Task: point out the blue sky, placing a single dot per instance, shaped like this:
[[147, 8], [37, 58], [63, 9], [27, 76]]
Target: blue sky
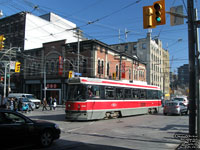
[[110, 16]]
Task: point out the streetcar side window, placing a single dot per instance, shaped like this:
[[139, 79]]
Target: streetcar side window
[[94, 92], [128, 94], [135, 93], [109, 92], [142, 94], [149, 94], [119, 93], [155, 94]]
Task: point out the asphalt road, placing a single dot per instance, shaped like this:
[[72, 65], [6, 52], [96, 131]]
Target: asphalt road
[[142, 132]]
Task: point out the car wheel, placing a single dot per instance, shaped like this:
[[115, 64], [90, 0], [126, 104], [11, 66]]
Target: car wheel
[[46, 138]]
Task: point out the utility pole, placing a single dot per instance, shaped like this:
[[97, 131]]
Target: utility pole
[[120, 65], [5, 74], [78, 51], [192, 83], [197, 76]]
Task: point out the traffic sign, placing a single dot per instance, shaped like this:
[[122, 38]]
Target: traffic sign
[[77, 74]]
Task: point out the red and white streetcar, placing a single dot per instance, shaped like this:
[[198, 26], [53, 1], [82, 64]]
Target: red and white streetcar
[[94, 98]]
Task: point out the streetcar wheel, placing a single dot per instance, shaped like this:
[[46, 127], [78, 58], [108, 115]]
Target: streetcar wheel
[[154, 111]]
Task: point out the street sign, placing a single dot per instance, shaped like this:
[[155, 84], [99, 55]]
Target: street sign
[[77, 74], [12, 65], [176, 15]]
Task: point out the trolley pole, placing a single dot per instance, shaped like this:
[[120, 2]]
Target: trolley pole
[[192, 83]]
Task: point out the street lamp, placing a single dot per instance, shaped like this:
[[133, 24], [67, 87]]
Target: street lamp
[[6, 63]]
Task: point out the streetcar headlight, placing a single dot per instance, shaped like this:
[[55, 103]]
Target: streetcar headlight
[[69, 105]]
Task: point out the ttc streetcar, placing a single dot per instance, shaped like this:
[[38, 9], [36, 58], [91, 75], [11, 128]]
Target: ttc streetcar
[[94, 98]]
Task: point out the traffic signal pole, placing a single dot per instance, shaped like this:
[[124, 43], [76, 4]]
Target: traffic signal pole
[[192, 83]]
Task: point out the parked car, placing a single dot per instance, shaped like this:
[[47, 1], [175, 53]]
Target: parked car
[[183, 99], [31, 97], [19, 131], [175, 107]]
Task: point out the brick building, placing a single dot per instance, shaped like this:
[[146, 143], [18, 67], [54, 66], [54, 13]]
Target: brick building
[[52, 63]]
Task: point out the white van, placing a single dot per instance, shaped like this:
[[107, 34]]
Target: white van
[[31, 97]]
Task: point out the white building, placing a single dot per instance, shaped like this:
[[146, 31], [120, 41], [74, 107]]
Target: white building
[[28, 31], [150, 51]]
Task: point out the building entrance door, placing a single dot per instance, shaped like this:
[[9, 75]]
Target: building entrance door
[[55, 93]]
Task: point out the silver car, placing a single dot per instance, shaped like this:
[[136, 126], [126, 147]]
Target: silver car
[[175, 107]]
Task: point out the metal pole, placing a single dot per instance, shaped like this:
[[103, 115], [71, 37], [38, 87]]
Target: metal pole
[[45, 79], [197, 76], [192, 83], [5, 73], [120, 65], [9, 72], [78, 51]]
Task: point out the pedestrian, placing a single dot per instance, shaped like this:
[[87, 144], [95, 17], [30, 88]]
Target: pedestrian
[[25, 107], [15, 104], [50, 102], [44, 103], [54, 103], [4, 102], [20, 104], [11, 106]]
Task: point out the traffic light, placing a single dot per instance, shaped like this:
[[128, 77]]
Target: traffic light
[[70, 74], [2, 79], [2, 38], [159, 12], [17, 66], [148, 13], [154, 15]]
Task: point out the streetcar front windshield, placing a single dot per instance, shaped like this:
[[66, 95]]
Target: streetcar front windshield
[[77, 92]]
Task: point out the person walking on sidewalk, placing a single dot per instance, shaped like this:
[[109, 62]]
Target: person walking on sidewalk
[[44, 103], [50, 102], [54, 103]]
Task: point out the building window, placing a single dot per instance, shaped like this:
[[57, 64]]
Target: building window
[[57, 67], [129, 73], [99, 67], [108, 68], [38, 70], [52, 66], [117, 70], [135, 47], [144, 45], [102, 66]]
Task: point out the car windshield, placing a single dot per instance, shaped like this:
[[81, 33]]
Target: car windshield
[[30, 96], [172, 104], [77, 92], [178, 99], [25, 100]]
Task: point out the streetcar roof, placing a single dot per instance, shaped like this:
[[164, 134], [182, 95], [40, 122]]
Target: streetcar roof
[[123, 83]]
